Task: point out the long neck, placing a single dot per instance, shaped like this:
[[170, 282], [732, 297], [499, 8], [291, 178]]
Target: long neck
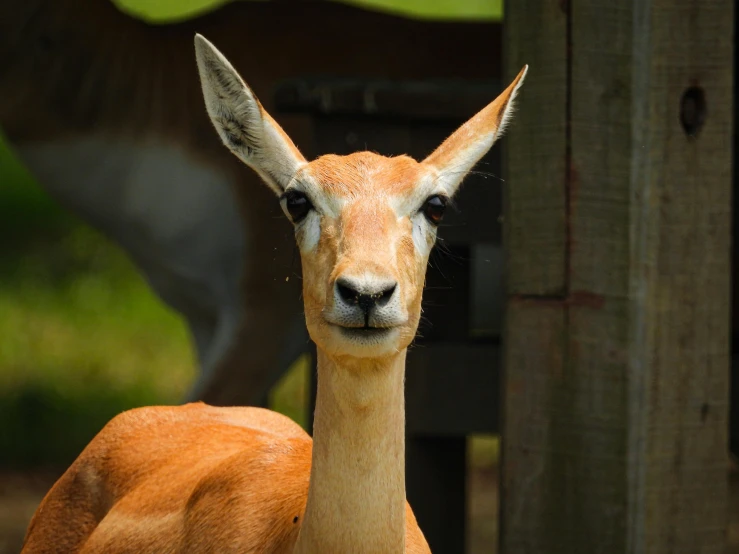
[[356, 498]]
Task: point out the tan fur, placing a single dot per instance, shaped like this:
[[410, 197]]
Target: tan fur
[[202, 479], [71, 69]]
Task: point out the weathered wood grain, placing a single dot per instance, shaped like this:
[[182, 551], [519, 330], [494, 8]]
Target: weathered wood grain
[[618, 441], [535, 34]]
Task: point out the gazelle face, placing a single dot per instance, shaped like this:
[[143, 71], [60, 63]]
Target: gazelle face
[[365, 224]]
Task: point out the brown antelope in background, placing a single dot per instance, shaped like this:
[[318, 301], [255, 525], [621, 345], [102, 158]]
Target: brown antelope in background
[[106, 112], [195, 478]]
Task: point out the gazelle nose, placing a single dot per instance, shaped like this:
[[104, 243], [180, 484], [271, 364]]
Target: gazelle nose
[[365, 295]]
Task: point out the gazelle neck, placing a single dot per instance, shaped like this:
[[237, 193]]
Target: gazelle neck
[[356, 498]]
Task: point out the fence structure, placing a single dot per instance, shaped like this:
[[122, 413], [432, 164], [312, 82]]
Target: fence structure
[[618, 242]]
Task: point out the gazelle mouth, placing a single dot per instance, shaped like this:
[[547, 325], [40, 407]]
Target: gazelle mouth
[[366, 329], [366, 335], [365, 332]]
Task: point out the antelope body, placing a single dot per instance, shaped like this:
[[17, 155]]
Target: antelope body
[[201, 479], [106, 111]]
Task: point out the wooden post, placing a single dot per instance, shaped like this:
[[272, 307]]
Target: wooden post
[[617, 229]]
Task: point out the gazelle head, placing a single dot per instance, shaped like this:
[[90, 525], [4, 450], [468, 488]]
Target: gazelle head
[[364, 223]]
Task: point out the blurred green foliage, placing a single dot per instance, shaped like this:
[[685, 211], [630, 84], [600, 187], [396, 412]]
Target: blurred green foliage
[[165, 11]]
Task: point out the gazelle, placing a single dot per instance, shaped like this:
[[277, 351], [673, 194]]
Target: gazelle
[[106, 112], [196, 478]]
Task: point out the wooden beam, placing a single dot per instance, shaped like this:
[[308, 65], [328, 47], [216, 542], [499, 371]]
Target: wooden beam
[[616, 390], [400, 101]]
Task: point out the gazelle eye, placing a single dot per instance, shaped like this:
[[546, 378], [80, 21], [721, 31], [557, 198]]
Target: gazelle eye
[[297, 205], [434, 208]]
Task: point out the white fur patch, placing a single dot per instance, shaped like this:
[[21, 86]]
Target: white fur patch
[[424, 234], [309, 232]]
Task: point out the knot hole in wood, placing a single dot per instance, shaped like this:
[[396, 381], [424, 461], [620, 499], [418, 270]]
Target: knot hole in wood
[[693, 110]]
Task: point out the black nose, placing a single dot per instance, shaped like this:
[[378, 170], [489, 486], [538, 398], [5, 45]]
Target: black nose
[[364, 297]]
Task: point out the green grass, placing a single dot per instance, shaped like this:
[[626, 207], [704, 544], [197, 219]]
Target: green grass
[[72, 302]]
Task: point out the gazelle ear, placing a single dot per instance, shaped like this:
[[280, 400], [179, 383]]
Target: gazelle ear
[[458, 154], [243, 125]]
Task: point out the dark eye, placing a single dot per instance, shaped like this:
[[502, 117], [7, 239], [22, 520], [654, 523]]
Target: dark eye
[[297, 205], [434, 208]]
